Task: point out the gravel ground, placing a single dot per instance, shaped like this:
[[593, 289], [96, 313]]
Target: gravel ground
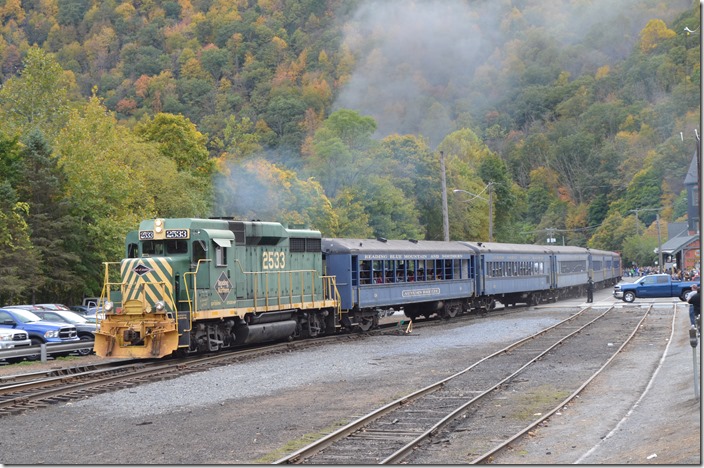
[[258, 411]]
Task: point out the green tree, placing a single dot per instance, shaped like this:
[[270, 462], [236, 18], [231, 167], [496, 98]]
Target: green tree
[[38, 98], [341, 149], [178, 139], [391, 214], [54, 231], [19, 261]]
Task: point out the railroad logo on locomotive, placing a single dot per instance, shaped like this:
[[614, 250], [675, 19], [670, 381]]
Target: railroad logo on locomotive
[[141, 269], [223, 286]]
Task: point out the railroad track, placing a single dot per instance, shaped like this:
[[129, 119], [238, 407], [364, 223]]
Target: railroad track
[[22, 392], [491, 403]]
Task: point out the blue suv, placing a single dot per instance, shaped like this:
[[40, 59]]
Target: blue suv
[[39, 331]]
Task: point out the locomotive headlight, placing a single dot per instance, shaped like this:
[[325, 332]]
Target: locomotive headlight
[[108, 306], [160, 306]]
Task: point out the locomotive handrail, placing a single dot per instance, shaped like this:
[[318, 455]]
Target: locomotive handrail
[[192, 304]]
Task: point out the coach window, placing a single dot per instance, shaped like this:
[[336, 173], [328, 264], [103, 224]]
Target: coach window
[[411, 270], [456, 269], [389, 271], [365, 272], [378, 272]]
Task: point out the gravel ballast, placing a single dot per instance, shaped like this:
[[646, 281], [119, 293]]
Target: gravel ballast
[[260, 410]]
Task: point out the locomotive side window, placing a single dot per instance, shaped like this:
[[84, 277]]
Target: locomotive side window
[[198, 251], [132, 251], [220, 256]]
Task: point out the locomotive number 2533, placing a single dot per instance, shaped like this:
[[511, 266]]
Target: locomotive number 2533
[[273, 260]]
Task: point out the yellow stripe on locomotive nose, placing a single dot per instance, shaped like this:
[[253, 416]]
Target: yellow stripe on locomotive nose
[[155, 279]]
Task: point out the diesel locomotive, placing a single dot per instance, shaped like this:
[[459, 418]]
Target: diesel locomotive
[[194, 285]]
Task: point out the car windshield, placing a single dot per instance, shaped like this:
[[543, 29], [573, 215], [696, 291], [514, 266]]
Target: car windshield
[[73, 317], [26, 316]]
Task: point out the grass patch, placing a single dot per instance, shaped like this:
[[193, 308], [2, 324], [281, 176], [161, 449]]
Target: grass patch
[[539, 400], [299, 443]]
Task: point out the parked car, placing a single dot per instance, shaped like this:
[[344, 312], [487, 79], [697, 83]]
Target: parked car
[[53, 306], [30, 307], [660, 285], [79, 309], [39, 331], [94, 314], [11, 338], [86, 328]]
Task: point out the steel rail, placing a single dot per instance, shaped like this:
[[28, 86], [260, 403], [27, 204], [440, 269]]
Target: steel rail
[[311, 449], [404, 451], [532, 425]]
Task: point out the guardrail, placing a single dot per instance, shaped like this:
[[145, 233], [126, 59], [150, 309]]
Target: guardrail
[[44, 350]]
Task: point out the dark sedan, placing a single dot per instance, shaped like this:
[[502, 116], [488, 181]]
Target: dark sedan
[[86, 329]]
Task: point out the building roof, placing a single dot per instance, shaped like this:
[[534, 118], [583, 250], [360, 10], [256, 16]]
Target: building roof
[[678, 243], [691, 177]]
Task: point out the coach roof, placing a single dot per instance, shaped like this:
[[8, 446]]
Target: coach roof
[[383, 246]]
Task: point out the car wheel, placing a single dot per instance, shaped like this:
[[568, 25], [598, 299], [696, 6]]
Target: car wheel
[[85, 351], [36, 357], [683, 296], [629, 296]]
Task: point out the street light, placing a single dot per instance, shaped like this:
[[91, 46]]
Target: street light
[[490, 201]]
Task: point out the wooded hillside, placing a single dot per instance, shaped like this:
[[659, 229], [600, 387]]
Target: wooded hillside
[[333, 114]]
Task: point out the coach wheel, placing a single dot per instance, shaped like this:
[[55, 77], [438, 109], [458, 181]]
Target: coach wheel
[[629, 296], [450, 312], [367, 323]]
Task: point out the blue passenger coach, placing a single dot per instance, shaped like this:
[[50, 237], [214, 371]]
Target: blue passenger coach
[[605, 267], [513, 273], [422, 277]]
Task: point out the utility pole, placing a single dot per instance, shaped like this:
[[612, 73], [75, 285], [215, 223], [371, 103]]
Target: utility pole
[[445, 217], [491, 211], [657, 219]]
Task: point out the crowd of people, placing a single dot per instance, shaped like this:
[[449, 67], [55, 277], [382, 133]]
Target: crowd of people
[[684, 275]]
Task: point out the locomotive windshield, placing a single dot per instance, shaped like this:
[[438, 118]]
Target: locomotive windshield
[[164, 247]]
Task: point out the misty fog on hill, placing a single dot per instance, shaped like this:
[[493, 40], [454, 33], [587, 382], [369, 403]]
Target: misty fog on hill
[[428, 67]]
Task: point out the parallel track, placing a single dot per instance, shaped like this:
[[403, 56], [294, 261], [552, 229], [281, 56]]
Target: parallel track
[[466, 400]]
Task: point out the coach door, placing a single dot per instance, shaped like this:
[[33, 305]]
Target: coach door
[[552, 274]]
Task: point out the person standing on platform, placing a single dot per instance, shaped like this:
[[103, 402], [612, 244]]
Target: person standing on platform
[[590, 290], [693, 299]]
